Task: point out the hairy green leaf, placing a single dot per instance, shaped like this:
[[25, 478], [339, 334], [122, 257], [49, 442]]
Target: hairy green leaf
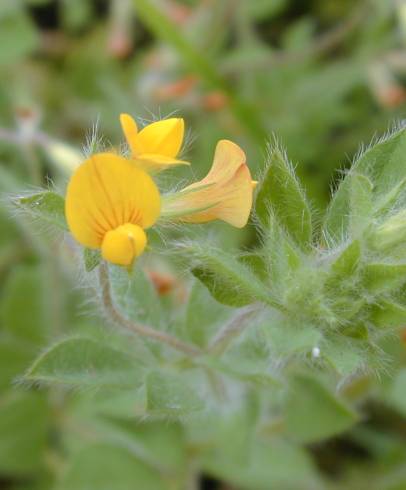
[[281, 194], [91, 258], [227, 279], [387, 314], [347, 262], [361, 204], [169, 395], [47, 206], [383, 277], [383, 165], [83, 362]]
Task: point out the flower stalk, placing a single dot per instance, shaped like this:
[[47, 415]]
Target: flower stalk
[[138, 328]]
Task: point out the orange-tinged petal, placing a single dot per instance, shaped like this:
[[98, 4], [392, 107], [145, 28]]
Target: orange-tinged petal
[[124, 244], [130, 130], [225, 193], [161, 138], [232, 202], [108, 191], [228, 158]]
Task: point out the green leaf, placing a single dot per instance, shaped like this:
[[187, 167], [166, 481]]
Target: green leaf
[[47, 206], [91, 259], [83, 362], [342, 354], [387, 314], [227, 279], [384, 162], [23, 433], [286, 338], [313, 413], [265, 465], [169, 395], [15, 357], [361, 204], [281, 193], [24, 307], [383, 165], [203, 315], [104, 466], [160, 445], [19, 34], [356, 331], [282, 257], [383, 277], [136, 296], [348, 260]]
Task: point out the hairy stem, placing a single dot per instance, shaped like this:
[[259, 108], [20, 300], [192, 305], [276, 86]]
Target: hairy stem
[[233, 328], [140, 329]]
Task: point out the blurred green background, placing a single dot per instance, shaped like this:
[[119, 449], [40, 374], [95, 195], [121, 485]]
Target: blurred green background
[[322, 76]]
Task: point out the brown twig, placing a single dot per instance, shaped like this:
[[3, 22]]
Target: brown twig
[[140, 329]]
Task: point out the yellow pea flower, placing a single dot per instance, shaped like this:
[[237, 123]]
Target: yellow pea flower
[[156, 146], [225, 193], [109, 204]]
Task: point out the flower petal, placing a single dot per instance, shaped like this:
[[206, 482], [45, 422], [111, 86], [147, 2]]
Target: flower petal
[[124, 244], [130, 130], [232, 201], [108, 191], [156, 163], [228, 158], [162, 138]]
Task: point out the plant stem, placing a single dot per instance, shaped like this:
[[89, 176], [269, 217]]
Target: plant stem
[[140, 329], [233, 328]]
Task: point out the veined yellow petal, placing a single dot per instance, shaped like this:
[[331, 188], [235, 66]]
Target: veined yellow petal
[[161, 138], [156, 163], [130, 130], [124, 244], [108, 191]]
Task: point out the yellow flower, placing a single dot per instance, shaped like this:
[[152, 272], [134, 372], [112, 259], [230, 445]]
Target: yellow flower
[[156, 146], [109, 204], [224, 194]]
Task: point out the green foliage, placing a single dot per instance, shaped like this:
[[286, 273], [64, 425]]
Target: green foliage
[[378, 170], [17, 32], [168, 395], [313, 413], [22, 442], [229, 280], [47, 206], [91, 259], [299, 382], [23, 306], [83, 362], [100, 464], [281, 193]]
